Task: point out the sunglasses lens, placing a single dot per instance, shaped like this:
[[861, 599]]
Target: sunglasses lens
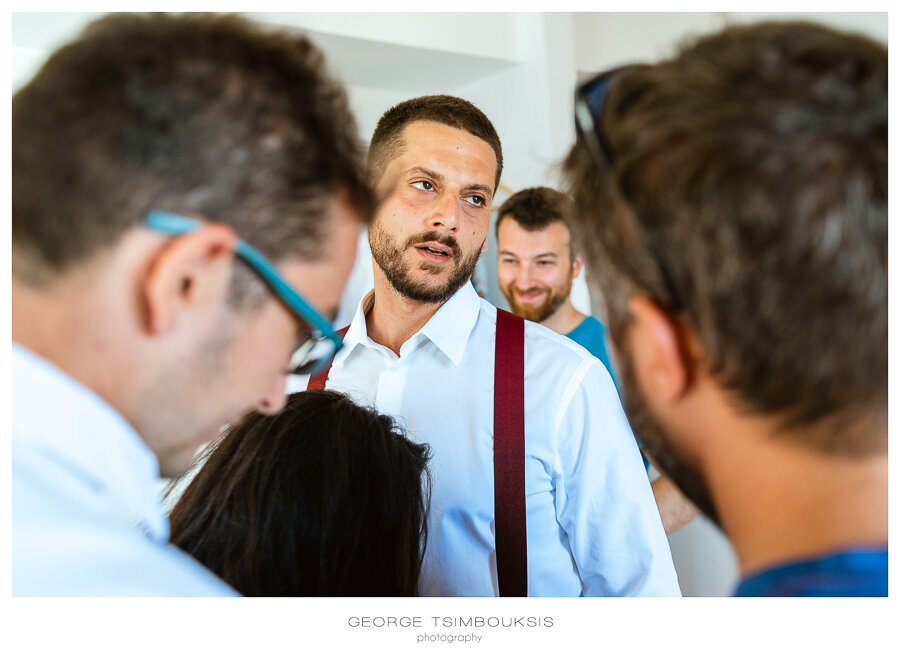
[[312, 356], [594, 94]]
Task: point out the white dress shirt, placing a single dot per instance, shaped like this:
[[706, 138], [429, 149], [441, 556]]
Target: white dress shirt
[[87, 517], [592, 524]]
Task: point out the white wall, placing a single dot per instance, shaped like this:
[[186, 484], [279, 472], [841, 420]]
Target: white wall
[[521, 69], [873, 24], [606, 40]]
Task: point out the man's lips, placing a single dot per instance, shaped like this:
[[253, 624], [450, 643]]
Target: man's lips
[[435, 251], [529, 295]]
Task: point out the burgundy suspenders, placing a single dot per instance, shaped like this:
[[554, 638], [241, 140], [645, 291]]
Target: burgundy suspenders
[[509, 452], [318, 381], [509, 455]]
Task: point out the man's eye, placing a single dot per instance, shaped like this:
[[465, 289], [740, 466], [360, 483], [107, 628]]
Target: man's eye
[[545, 263], [423, 185], [475, 200]]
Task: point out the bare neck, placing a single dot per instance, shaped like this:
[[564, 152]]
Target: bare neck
[[88, 323], [394, 318], [565, 319], [74, 329], [780, 502]]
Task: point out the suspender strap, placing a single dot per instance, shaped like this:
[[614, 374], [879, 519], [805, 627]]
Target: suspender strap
[[509, 455], [318, 381]]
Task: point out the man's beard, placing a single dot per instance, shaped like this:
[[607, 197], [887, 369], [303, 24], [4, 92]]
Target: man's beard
[[553, 299], [390, 259], [676, 464]]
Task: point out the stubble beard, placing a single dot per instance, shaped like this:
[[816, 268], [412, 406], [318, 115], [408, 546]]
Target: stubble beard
[[389, 259], [553, 299], [174, 404], [677, 464]]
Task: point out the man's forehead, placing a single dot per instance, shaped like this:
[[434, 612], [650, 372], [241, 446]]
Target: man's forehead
[[555, 233], [429, 138]]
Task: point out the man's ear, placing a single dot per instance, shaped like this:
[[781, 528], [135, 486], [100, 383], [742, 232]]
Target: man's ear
[[190, 272], [577, 264], [659, 351]]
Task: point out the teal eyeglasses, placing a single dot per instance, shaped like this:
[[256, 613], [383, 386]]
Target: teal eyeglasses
[[323, 343]]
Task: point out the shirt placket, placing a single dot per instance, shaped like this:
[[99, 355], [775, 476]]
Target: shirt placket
[[392, 381]]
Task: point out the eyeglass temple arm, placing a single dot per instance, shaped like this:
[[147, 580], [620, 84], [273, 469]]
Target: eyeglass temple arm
[[180, 225], [284, 291], [584, 120]]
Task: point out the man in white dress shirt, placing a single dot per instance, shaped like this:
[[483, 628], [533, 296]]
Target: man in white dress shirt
[[146, 154], [421, 347]]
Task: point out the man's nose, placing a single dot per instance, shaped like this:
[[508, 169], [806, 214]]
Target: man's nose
[[275, 399], [524, 277], [446, 213]]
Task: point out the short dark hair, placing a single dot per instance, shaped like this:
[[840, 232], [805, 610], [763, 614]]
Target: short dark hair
[[197, 114], [387, 141], [751, 172], [324, 499], [534, 209]]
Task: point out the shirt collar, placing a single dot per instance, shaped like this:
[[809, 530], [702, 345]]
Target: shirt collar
[[449, 328], [356, 332], [59, 415], [452, 324]]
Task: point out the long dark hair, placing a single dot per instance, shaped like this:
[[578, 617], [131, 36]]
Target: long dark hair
[[327, 498]]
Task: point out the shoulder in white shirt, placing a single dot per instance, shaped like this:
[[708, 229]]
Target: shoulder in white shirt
[[87, 517]]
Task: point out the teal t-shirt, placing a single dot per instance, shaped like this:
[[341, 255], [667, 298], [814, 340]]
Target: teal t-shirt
[[847, 573], [591, 334]]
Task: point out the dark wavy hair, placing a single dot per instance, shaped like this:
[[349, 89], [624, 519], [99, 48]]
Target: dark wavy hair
[[534, 209], [749, 197], [326, 498], [387, 140], [206, 115]]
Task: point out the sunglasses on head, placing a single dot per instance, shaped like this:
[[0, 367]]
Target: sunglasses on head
[[590, 100]]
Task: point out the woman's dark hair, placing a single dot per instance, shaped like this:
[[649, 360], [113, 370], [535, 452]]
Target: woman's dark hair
[[326, 498]]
